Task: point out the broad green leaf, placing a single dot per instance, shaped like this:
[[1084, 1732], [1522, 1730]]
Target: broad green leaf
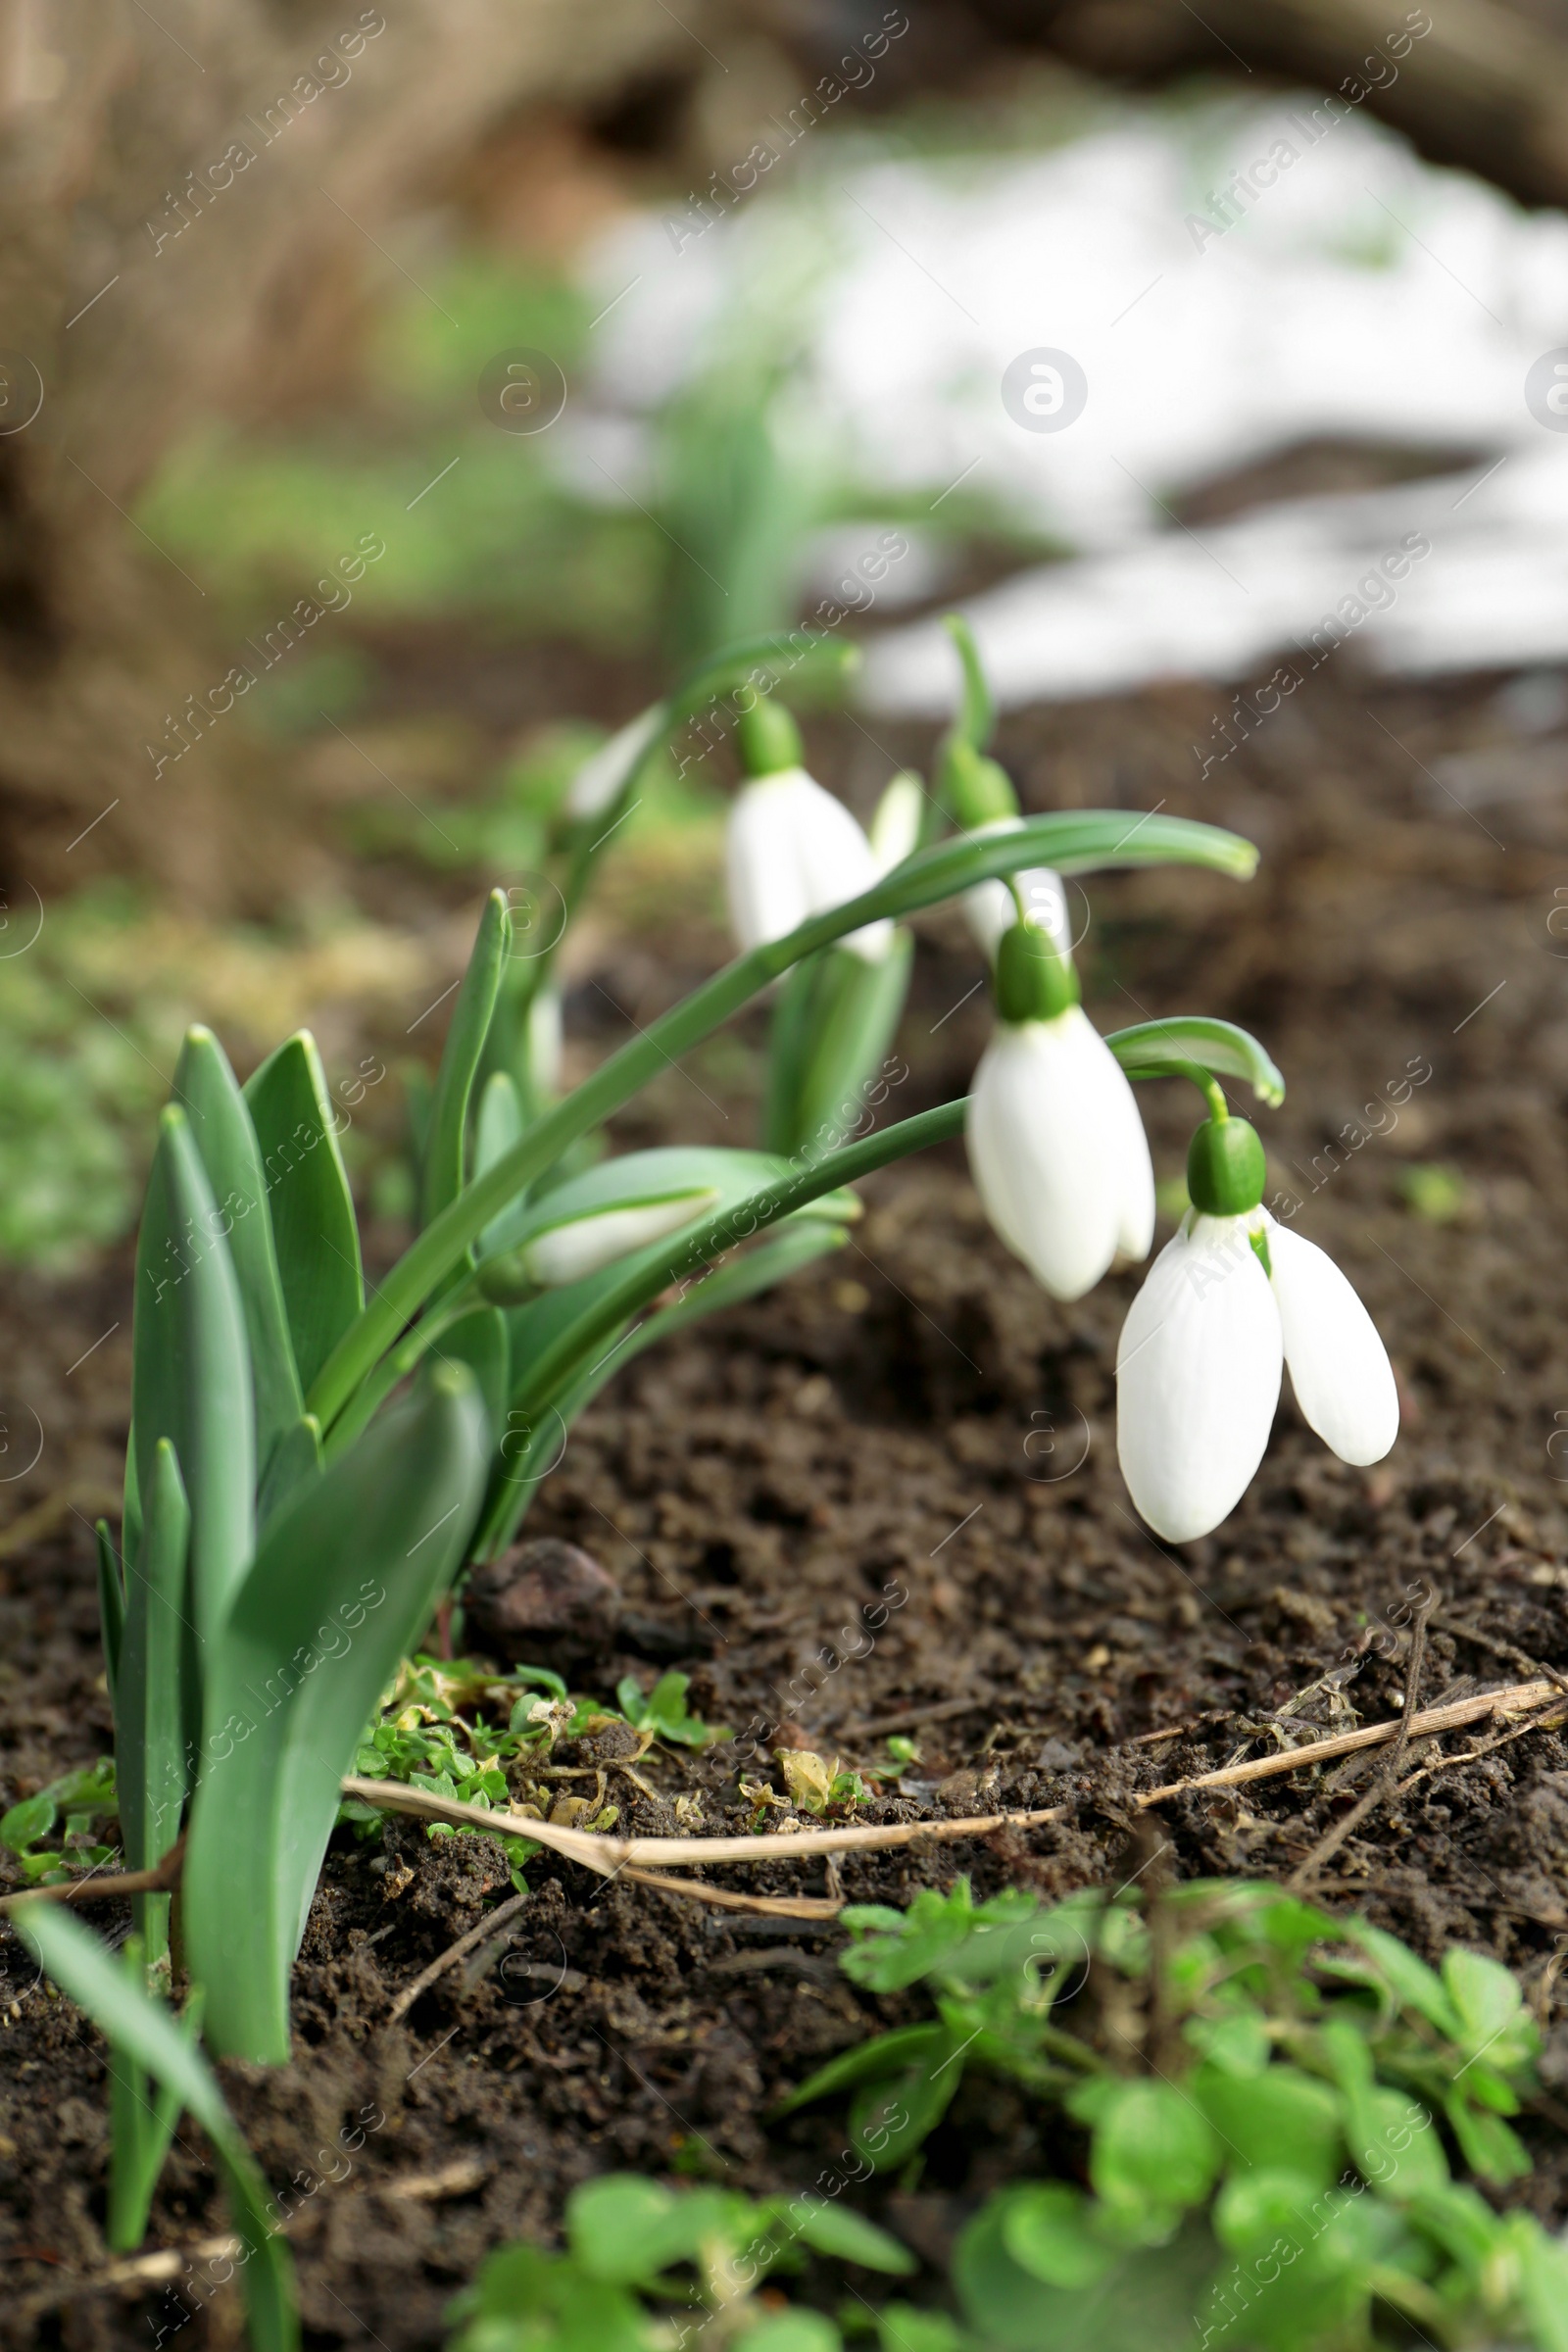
[[149, 1738], [625, 2227], [1280, 2119], [1153, 2148], [314, 1226], [1045, 2227], [1485, 1994], [144, 2030], [903, 2328], [1236, 2043], [1145, 2301], [798, 2331], [1489, 2147], [479, 1340], [343, 1582], [500, 1126], [296, 1461], [1542, 2281], [110, 1606], [31, 1818], [445, 1138], [1392, 2142], [524, 2300], [1160, 1048], [1407, 1978], [131, 1509], [1260, 2206], [192, 1384], [1074, 842], [847, 2235], [222, 1130]]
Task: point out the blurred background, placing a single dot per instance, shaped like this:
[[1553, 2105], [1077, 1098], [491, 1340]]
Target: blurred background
[[392, 398]]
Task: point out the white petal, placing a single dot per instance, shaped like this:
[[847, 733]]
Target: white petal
[[991, 907], [601, 776], [896, 826], [837, 860], [1198, 1378], [545, 1038], [1041, 1152], [567, 1253], [766, 888], [1340, 1368], [1134, 1170]]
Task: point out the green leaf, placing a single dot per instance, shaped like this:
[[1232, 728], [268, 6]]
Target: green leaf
[[1142, 2303], [1162, 1049], [222, 1130], [314, 1226], [1393, 2143], [1236, 2043], [141, 2120], [978, 717], [873, 2061], [834, 1023], [523, 2300], [798, 2331], [1153, 2150], [343, 1582], [626, 2229], [192, 1384], [1488, 2145], [888, 2120], [499, 1125], [296, 1461], [1073, 842], [1256, 2207], [442, 1179], [149, 1737], [144, 2030], [1280, 2119], [110, 1605], [27, 1822], [1485, 1994], [1045, 2227], [479, 1340], [1406, 1978], [901, 2328], [1542, 2281], [847, 2235]]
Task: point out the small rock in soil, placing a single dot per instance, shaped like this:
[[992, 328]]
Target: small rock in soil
[[542, 1604]]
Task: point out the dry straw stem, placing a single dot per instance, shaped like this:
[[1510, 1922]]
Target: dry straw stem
[[610, 1856]]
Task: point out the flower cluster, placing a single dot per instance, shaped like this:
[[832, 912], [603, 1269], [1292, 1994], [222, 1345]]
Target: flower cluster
[[1061, 1161]]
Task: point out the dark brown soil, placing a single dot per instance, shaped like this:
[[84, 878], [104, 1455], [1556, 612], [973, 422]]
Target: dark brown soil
[[914, 1425]]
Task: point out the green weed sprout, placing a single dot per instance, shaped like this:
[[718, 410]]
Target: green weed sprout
[[1271, 2102], [647, 2268]]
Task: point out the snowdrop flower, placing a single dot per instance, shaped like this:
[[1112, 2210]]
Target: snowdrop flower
[[600, 781], [792, 851], [991, 907], [896, 826], [1232, 1300], [585, 1245], [1056, 1146]]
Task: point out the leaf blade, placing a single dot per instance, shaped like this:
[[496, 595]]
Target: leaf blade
[[315, 1230]]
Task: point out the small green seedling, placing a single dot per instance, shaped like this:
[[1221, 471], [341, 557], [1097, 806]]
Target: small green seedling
[[649, 2268], [664, 1715], [82, 1799], [1272, 2105]]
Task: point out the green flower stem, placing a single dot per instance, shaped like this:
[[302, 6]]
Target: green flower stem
[[1072, 842], [690, 1252]]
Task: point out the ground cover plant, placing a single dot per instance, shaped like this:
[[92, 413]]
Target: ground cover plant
[[266, 1391]]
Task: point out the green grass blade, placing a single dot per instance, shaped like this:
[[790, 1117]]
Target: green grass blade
[[144, 2030], [479, 1340], [977, 714], [1074, 842], [297, 1460], [343, 1582], [192, 1379], [501, 1123], [314, 1226], [110, 1607], [460, 1061], [1164, 1049], [221, 1124], [142, 2116]]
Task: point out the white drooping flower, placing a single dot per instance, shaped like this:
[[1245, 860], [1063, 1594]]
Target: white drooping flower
[[1200, 1357], [583, 1246], [793, 851], [602, 777], [993, 908], [1056, 1146]]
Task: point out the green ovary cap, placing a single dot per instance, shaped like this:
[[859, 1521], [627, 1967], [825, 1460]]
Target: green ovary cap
[[1225, 1170], [1034, 980], [768, 739], [974, 788]]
